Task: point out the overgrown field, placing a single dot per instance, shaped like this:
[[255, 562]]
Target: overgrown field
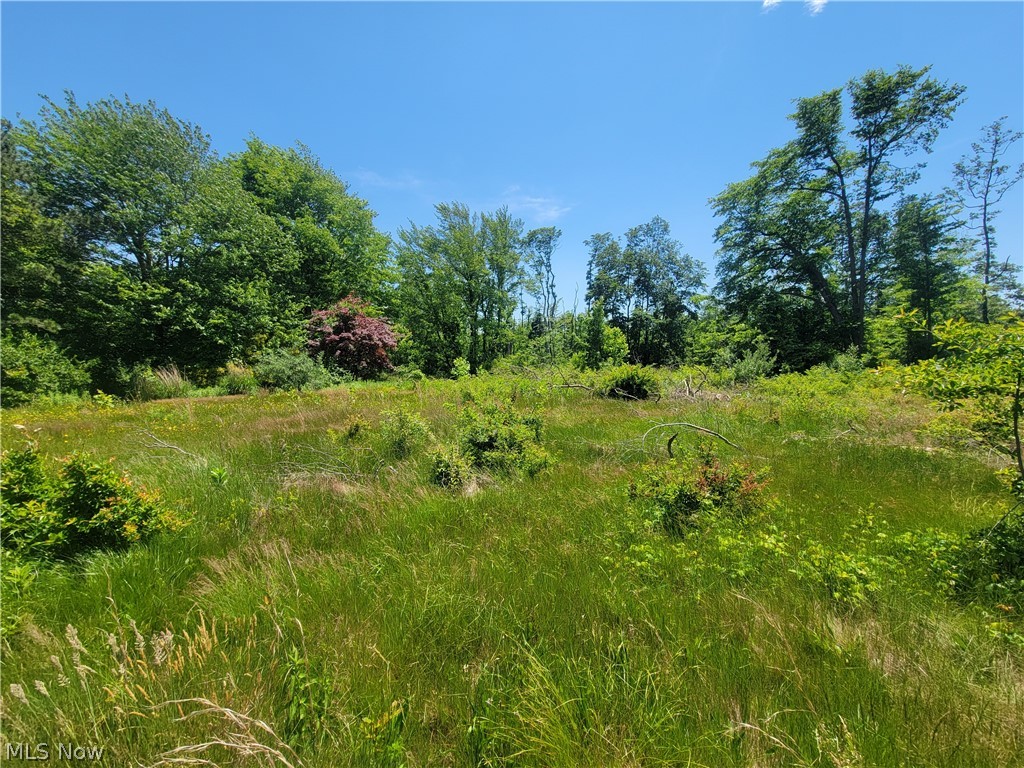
[[368, 576]]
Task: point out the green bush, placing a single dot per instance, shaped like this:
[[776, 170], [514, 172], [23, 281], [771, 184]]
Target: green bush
[[460, 368], [31, 367], [494, 436], [238, 380], [683, 492], [449, 468], [84, 504], [403, 433], [991, 562], [289, 370], [160, 383], [754, 364], [629, 382]]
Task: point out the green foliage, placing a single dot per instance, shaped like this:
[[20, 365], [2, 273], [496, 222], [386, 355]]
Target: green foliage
[[449, 468], [160, 384], [628, 382], [460, 368], [495, 436], [403, 432], [84, 505], [981, 373], [682, 494], [238, 380], [287, 369], [308, 697], [991, 562], [755, 363], [31, 367]]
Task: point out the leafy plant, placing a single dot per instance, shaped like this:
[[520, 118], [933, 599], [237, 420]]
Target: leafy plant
[[982, 372], [678, 495], [290, 370], [460, 368], [495, 436], [85, 504], [630, 382], [449, 468], [31, 367], [308, 698], [403, 432], [160, 384], [350, 336]]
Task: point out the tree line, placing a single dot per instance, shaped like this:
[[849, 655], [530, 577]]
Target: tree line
[[128, 243]]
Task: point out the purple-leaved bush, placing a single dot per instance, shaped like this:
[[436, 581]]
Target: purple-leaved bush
[[352, 338]]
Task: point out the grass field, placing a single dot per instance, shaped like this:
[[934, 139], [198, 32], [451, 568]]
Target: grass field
[[328, 606]]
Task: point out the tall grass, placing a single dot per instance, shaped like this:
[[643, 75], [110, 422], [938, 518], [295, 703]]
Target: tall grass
[[329, 606]]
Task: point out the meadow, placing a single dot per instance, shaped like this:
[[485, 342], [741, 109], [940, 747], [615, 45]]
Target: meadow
[[327, 602]]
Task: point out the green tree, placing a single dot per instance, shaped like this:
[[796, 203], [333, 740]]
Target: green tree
[[980, 182], [812, 213], [457, 282], [339, 249], [647, 288], [927, 266], [118, 173], [538, 247]]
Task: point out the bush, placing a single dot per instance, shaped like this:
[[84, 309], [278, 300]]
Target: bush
[[290, 370], [496, 437], [449, 469], [85, 504], [991, 562], [160, 384], [754, 364], [629, 382], [31, 367], [351, 337], [460, 368], [403, 433], [684, 492], [238, 380]]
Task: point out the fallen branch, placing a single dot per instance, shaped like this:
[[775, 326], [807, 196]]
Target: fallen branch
[[687, 424], [160, 444]]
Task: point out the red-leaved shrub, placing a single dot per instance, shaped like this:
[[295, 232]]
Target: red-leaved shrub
[[350, 337]]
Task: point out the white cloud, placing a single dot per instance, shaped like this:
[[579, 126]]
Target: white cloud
[[816, 6], [405, 181], [543, 210], [769, 4]]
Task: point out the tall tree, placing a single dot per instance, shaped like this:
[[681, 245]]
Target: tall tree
[[118, 173], [926, 263], [538, 247], [457, 282], [830, 183], [980, 182], [647, 287], [340, 251]]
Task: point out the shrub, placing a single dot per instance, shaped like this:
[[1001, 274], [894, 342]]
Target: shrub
[[238, 380], [31, 367], [754, 364], [351, 337], [403, 432], [630, 382], [496, 437], [449, 468], [460, 368], [85, 504], [287, 369], [160, 384], [680, 494], [991, 562]]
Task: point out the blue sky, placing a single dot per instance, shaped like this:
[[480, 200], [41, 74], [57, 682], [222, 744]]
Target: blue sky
[[590, 116]]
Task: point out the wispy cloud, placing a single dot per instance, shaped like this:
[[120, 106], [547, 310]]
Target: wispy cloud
[[367, 178], [543, 210], [814, 6]]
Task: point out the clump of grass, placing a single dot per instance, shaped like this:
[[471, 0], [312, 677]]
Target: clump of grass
[[162, 383], [628, 382]]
